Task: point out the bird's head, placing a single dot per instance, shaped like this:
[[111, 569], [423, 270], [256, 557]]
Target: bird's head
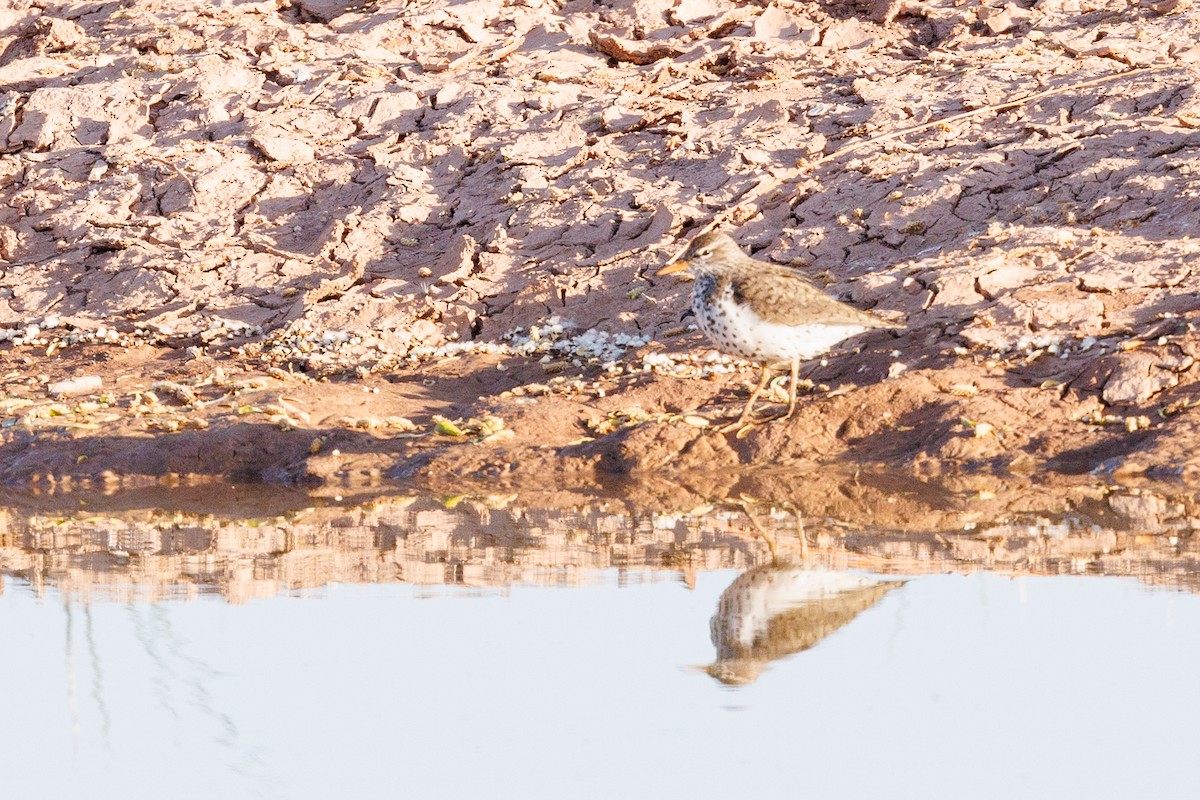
[[709, 252], [737, 671]]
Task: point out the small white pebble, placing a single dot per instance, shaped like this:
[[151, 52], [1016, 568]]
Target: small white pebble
[[80, 385]]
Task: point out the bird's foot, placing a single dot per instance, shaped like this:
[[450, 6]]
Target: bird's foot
[[744, 424]]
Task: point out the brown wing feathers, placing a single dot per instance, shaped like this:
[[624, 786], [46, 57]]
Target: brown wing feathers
[[782, 296]]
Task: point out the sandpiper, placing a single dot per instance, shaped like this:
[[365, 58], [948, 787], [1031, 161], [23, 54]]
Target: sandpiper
[[764, 312], [774, 611]]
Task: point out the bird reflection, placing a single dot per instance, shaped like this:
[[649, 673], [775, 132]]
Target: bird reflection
[[775, 610]]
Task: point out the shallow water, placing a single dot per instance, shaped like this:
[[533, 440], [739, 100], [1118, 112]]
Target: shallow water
[[409, 647]]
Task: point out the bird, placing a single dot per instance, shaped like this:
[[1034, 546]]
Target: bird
[[764, 312], [776, 610]]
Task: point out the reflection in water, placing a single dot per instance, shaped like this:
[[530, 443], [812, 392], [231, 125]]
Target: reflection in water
[[179, 675], [777, 610], [372, 687], [163, 676], [98, 693], [96, 668], [72, 697], [105, 548]]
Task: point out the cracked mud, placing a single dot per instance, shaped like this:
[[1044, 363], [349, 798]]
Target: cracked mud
[[326, 242]]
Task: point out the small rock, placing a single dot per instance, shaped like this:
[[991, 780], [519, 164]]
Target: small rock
[[284, 150], [80, 385], [689, 12], [448, 95], [755, 156], [473, 33], [847, 35], [326, 10], [1164, 7], [1136, 379], [618, 120], [58, 35], [884, 11], [1006, 278], [532, 178], [394, 107], [774, 23], [999, 20], [956, 290]]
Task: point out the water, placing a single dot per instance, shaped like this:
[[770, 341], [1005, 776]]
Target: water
[[403, 647]]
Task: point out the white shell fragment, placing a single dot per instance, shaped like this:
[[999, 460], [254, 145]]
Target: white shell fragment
[[82, 384]]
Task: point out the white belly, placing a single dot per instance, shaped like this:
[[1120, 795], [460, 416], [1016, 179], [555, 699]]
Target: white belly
[[737, 330], [747, 607]]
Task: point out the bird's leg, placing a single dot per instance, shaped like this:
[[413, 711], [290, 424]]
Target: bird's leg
[[794, 370], [767, 536], [800, 530], [745, 416], [792, 386], [762, 384]]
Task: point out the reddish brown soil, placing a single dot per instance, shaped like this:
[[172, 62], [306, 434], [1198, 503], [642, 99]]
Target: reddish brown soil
[[261, 224]]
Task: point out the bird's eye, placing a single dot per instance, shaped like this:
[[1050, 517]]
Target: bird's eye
[[707, 251]]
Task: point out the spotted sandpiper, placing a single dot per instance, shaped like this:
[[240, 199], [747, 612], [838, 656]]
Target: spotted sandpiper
[[774, 611], [764, 312]]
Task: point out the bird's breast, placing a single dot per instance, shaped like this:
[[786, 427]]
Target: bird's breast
[[734, 327]]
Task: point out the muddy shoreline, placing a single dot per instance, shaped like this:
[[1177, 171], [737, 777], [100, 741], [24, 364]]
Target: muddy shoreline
[[279, 429], [320, 244]]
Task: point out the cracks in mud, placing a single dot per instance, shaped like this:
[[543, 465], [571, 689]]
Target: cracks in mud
[[1054, 157]]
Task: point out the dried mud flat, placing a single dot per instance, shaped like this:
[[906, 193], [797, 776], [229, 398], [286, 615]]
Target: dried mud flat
[[328, 242]]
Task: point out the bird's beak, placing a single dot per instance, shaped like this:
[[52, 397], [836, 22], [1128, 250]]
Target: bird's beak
[[669, 269]]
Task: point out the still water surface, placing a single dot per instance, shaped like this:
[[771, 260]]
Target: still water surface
[[908, 684]]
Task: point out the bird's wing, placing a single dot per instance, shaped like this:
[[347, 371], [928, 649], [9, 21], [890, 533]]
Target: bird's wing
[[788, 298]]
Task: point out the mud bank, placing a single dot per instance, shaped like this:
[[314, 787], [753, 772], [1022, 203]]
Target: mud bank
[[321, 242]]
